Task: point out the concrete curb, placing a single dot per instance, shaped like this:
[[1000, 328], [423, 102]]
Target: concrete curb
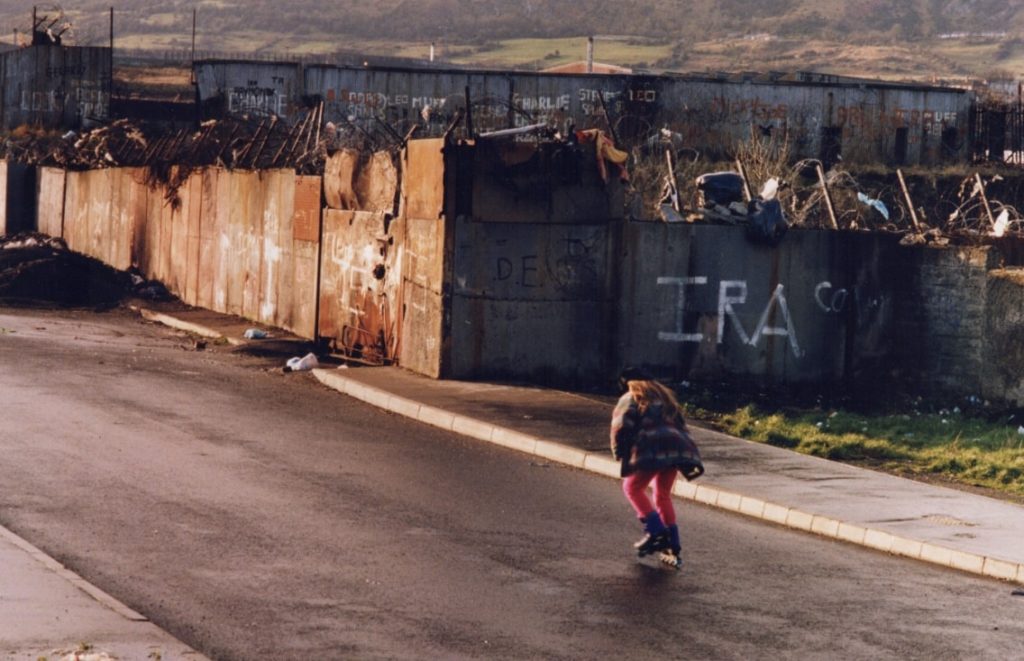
[[182, 325], [602, 464], [73, 578]]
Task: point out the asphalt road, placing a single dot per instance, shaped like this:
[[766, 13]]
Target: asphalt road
[[255, 514]]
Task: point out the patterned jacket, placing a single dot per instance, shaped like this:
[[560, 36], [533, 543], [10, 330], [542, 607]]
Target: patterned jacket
[[652, 440]]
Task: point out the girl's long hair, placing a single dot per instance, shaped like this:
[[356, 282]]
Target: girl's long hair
[[646, 393]]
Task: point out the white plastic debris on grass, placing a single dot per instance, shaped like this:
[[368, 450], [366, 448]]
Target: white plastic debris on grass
[[770, 189]]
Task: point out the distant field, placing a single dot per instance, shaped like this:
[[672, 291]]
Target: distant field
[[903, 61]]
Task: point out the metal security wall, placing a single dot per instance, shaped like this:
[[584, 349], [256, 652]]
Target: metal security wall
[[866, 122], [55, 86], [241, 243]]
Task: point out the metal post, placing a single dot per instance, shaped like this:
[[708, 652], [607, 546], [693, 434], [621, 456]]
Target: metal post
[[192, 74]]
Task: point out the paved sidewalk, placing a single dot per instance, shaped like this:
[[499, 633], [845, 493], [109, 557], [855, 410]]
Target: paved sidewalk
[[935, 524], [48, 612], [944, 526]]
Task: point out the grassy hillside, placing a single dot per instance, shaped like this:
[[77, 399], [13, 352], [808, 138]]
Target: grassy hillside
[[912, 39]]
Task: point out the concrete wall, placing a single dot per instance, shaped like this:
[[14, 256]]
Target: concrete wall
[[1002, 350], [710, 114], [943, 317], [50, 194], [259, 89], [424, 236], [702, 301], [54, 86]]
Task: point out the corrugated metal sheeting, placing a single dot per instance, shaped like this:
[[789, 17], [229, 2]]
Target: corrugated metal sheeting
[[241, 243], [54, 86], [878, 122]]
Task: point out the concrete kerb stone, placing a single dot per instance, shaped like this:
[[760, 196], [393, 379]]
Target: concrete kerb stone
[[602, 464], [472, 427], [403, 406], [936, 555], [514, 440], [851, 533], [436, 417], [180, 324], [969, 562], [563, 454], [908, 547], [825, 526], [1000, 569]]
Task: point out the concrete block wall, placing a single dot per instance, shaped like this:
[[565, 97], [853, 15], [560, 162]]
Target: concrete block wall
[[1002, 350], [942, 317]]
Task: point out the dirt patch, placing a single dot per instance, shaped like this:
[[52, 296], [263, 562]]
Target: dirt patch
[[36, 270]]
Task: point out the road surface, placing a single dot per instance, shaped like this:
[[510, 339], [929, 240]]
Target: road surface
[[255, 514]]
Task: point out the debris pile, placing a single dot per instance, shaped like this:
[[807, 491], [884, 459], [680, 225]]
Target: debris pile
[[38, 270], [241, 143]]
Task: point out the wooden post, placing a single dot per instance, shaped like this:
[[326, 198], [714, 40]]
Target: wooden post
[[910, 203], [746, 184], [672, 187], [984, 199], [828, 196], [607, 119]]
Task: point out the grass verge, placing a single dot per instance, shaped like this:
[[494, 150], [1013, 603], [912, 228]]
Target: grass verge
[[972, 446]]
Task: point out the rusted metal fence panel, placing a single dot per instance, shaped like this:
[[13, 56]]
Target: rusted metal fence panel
[[423, 179], [209, 241], [51, 201], [231, 247], [273, 251], [86, 191], [422, 237], [55, 86], [357, 296], [297, 296], [102, 212]]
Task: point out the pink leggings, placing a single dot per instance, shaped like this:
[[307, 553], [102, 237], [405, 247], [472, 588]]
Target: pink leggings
[[635, 488]]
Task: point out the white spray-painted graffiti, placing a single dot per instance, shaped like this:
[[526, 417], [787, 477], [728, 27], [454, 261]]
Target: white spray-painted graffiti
[[355, 266], [731, 293], [87, 103], [488, 111], [833, 301], [257, 99]]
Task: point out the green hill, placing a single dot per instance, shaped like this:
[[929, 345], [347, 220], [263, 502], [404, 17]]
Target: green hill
[[910, 39]]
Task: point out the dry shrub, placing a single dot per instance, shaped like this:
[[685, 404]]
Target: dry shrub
[[649, 175]]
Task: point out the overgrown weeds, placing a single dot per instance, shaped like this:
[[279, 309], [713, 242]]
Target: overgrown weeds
[[971, 205], [971, 446]]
